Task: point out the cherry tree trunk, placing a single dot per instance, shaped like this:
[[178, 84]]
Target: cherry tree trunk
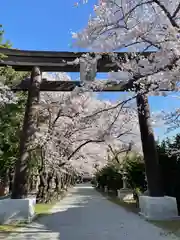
[[58, 183], [50, 193], [68, 180], [22, 169], [63, 180], [149, 147], [11, 177], [4, 184], [41, 195]]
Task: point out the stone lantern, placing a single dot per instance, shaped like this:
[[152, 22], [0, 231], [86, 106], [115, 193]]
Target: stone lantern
[[125, 194], [124, 178]]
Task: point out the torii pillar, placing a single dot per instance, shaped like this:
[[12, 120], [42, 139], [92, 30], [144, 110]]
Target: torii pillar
[[22, 168], [156, 206]]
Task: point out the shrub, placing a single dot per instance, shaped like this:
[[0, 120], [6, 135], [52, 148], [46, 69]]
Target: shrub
[[135, 168], [110, 177]]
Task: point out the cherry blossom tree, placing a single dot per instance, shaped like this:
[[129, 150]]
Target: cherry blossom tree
[[75, 128], [148, 27], [137, 26], [76, 119]]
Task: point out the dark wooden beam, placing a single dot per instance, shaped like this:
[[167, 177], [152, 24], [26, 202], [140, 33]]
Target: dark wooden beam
[[68, 86], [48, 61]]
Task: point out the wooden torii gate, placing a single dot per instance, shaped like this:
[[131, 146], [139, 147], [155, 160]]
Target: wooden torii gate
[[46, 61]]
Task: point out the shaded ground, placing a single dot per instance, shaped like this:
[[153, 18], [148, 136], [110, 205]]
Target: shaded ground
[[84, 214], [170, 226]]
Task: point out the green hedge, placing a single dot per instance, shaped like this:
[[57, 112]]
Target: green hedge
[[111, 177]]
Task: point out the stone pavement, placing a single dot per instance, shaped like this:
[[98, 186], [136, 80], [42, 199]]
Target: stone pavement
[[84, 214]]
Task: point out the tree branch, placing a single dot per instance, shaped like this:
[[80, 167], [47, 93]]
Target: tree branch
[[176, 11], [82, 145], [164, 9]]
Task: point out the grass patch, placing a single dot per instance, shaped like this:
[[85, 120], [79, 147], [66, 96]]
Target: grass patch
[[9, 228], [172, 226], [41, 209]]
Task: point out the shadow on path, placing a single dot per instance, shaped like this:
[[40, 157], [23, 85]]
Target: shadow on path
[[86, 215]]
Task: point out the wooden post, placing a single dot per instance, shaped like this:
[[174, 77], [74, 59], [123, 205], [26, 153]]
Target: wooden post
[[22, 169], [149, 147]]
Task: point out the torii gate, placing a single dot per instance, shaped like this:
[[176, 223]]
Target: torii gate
[[46, 61]]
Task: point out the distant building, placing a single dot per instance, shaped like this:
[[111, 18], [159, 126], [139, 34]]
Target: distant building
[[86, 177]]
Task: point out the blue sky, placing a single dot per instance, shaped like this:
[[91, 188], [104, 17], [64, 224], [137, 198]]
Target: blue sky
[[47, 25]]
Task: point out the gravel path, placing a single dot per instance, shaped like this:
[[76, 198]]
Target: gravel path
[[86, 215]]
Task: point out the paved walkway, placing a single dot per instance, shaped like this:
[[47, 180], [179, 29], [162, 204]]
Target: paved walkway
[[85, 215]]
